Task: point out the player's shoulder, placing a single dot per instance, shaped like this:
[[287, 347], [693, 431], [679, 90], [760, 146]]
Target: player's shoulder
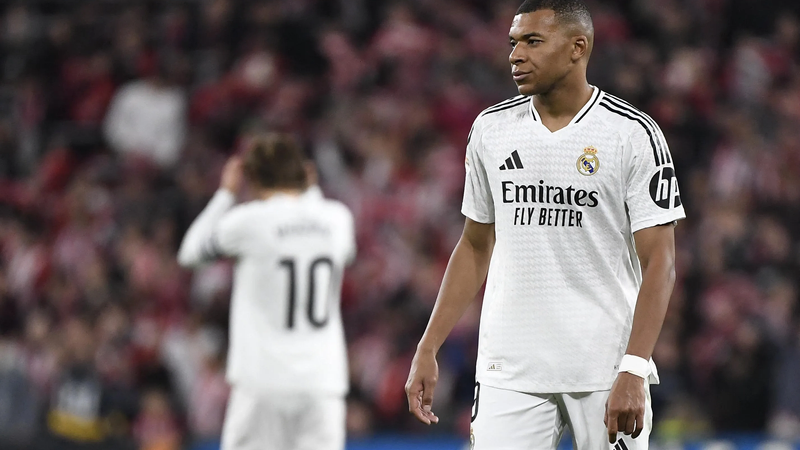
[[506, 105], [246, 212], [626, 118], [500, 112], [335, 209]]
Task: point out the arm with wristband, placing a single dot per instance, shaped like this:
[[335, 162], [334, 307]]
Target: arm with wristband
[[626, 401]]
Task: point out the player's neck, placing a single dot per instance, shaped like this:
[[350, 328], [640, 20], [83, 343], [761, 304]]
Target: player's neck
[[559, 106], [265, 194]]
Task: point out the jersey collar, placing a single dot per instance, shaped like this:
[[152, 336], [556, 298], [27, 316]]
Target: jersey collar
[[596, 94]]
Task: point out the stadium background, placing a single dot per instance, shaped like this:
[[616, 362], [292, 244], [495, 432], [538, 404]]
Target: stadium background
[[115, 119]]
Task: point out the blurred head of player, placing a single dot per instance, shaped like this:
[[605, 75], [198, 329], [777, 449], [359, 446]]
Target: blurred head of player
[[275, 161], [551, 41]]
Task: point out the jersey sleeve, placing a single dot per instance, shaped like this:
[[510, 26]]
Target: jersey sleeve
[[350, 237], [652, 194], [478, 203], [228, 237], [216, 233]]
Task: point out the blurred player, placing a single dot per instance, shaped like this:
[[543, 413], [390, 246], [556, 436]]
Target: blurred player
[[287, 358], [571, 200]]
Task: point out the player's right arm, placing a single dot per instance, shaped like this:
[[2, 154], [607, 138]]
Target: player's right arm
[[204, 240], [466, 271], [463, 278]]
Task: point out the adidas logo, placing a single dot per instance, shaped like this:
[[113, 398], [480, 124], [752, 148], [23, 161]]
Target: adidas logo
[[512, 162], [495, 366], [620, 445]]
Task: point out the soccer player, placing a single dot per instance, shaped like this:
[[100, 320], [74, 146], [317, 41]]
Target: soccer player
[[287, 358], [570, 202]]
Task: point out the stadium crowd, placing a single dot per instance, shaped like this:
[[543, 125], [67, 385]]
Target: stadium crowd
[[116, 117]]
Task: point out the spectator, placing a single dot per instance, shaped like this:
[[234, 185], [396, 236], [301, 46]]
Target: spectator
[[383, 95], [785, 422], [19, 402], [156, 427], [147, 119], [81, 407]]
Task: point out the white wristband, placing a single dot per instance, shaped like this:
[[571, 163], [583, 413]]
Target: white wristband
[[635, 365]]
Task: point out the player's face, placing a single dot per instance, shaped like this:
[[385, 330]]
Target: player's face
[[540, 51]]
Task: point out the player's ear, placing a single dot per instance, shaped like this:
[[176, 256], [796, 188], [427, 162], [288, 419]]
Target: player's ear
[[580, 47]]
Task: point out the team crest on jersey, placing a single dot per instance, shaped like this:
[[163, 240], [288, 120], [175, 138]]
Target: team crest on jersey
[[471, 439], [588, 163]]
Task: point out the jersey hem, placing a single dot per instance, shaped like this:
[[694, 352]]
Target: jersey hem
[[270, 391], [474, 215], [546, 388], [655, 221], [277, 389]]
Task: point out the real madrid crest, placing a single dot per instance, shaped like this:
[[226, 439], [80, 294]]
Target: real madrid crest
[[588, 163]]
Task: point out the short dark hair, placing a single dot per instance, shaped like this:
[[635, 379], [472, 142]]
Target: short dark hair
[[275, 160], [565, 10]]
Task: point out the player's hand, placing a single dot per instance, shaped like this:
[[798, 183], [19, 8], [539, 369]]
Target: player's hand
[[625, 407], [232, 175], [420, 386]]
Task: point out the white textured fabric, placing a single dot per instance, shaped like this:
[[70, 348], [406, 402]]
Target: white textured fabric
[[283, 422], [564, 275], [510, 420], [286, 331]]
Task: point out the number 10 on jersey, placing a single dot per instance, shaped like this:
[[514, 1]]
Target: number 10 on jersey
[[312, 271]]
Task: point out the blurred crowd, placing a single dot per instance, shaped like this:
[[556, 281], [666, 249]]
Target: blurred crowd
[[116, 117]]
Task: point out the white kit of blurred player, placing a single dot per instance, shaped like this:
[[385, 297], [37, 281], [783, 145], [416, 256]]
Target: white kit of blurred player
[[287, 358]]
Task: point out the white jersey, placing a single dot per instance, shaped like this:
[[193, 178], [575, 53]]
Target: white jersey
[[286, 331], [564, 275]]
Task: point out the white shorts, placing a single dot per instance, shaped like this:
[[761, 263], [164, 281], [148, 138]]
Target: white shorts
[[510, 420], [255, 421]]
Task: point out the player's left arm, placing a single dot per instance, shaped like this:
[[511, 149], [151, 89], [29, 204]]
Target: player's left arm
[[626, 402]]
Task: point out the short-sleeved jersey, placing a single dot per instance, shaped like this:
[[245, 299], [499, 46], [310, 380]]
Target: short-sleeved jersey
[[286, 330], [564, 275]]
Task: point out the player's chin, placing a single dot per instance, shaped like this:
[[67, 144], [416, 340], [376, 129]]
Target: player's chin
[[526, 88]]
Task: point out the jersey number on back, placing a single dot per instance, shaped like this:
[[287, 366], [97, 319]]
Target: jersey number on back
[[312, 283]]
